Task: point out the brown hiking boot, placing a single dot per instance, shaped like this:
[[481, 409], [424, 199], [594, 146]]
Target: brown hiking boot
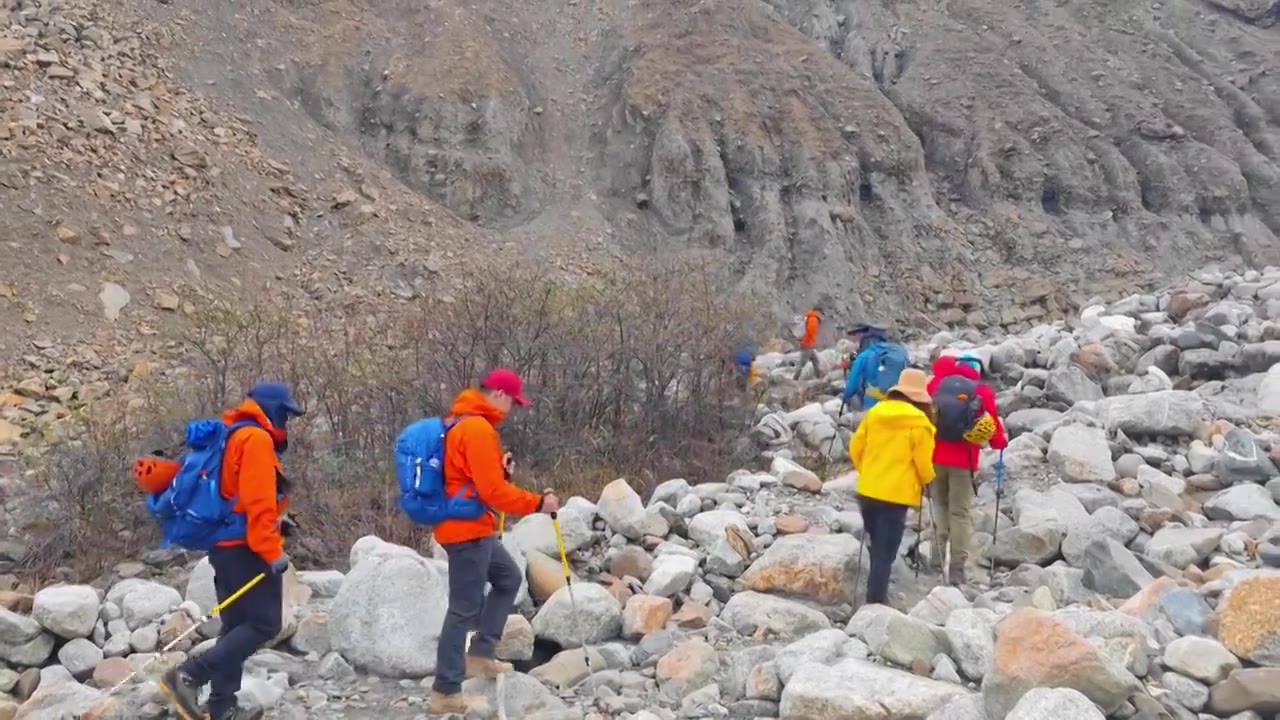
[[486, 667], [458, 703]]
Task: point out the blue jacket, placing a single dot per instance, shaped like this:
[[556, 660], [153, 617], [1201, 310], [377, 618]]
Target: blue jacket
[[854, 385]]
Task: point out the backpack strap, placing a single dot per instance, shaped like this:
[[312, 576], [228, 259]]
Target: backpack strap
[[231, 430], [469, 487]]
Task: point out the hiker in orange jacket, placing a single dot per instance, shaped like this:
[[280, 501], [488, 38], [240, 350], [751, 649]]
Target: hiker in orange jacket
[[474, 462], [251, 474], [809, 342]]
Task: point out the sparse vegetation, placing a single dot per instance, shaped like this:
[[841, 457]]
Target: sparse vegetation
[[626, 371]]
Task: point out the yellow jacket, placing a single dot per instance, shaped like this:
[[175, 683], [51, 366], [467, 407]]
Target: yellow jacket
[[893, 452]]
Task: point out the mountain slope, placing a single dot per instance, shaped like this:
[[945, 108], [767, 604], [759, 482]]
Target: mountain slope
[[986, 163]]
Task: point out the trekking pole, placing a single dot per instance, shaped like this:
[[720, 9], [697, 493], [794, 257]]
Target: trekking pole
[[217, 610], [857, 573], [573, 603], [832, 445], [995, 528], [919, 534]]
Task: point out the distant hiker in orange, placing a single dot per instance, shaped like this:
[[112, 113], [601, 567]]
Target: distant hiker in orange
[[474, 463], [809, 342]]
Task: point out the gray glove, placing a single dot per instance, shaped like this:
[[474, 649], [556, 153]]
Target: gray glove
[[280, 565]]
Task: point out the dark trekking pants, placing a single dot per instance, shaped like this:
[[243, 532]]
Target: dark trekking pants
[[471, 565], [808, 356], [247, 624], [883, 525]]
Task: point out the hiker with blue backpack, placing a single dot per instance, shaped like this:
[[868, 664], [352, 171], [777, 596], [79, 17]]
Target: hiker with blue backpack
[[227, 496], [967, 420], [454, 476], [876, 367]]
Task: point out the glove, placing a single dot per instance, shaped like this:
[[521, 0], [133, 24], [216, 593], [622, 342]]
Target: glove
[[280, 565]]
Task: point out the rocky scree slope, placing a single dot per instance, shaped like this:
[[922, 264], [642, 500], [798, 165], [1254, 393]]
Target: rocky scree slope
[[992, 163], [1133, 576], [819, 145]]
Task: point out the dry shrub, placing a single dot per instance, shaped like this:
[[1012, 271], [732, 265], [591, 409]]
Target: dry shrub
[[626, 371]]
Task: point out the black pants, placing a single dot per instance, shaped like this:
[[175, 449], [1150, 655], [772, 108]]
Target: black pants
[[471, 565], [883, 524], [247, 624]]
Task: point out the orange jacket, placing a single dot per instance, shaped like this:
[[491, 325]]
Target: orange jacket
[[812, 320], [473, 454], [249, 471]]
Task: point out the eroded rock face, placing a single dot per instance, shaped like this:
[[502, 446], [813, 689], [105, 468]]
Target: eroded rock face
[[977, 159]]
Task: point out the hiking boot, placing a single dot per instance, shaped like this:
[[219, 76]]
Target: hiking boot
[[458, 703], [486, 667], [239, 713], [183, 692], [955, 575]]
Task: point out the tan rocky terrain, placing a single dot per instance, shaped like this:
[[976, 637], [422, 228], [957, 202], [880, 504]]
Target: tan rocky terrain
[[992, 161]]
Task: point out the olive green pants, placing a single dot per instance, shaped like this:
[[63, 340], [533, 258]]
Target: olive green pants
[[952, 493]]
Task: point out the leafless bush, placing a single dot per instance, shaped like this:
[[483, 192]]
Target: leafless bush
[[625, 370]]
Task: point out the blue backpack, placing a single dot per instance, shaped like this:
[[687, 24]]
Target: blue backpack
[[420, 471], [192, 512], [884, 365]]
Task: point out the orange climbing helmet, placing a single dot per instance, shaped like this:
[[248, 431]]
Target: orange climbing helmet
[[154, 474]]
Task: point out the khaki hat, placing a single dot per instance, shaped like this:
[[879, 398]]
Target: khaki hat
[[914, 384]]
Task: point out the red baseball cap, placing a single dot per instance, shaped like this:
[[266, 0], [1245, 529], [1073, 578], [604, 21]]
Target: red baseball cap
[[506, 381]]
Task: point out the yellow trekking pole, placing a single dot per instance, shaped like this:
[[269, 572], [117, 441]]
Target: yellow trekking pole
[[217, 610], [573, 603]]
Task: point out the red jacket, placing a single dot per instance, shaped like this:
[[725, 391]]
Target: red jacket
[[960, 453]]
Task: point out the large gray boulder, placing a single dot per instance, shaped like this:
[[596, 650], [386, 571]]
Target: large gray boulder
[[1200, 658], [1180, 547], [899, 639], [143, 601], [1174, 413], [1107, 522], [752, 612], [1068, 384], [1064, 703], [1242, 502], [1036, 544], [1243, 459], [623, 511], [534, 533], [68, 611], [23, 643], [387, 616], [589, 616], [1080, 453], [859, 690], [971, 634], [60, 696], [1109, 568], [707, 527], [1269, 394]]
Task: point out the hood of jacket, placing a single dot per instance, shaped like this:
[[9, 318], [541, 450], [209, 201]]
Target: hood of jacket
[[949, 365], [898, 415], [250, 410], [473, 402]]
